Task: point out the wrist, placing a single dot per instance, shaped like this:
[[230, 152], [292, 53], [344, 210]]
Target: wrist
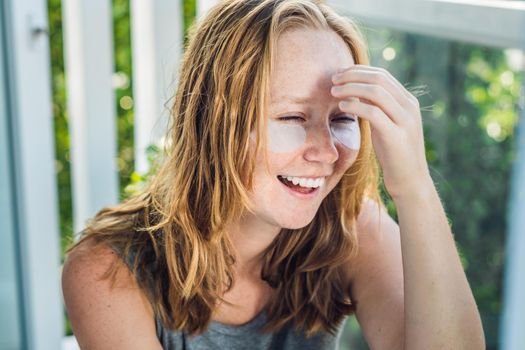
[[422, 190]]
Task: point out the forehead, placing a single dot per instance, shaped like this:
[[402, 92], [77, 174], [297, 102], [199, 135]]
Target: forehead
[[304, 61]]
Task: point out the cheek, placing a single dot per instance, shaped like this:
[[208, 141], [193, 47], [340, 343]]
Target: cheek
[[267, 168], [346, 159]]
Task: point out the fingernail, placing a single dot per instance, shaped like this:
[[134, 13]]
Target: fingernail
[[343, 105], [335, 90]]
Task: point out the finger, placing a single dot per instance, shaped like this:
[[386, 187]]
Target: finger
[[386, 75], [370, 77], [412, 100], [377, 118], [375, 94], [376, 75], [377, 72]]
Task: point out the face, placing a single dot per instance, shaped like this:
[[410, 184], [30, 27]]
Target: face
[[310, 142]]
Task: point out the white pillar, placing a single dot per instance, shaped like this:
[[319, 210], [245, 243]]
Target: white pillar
[[512, 334], [88, 47], [157, 40], [35, 190], [203, 6]]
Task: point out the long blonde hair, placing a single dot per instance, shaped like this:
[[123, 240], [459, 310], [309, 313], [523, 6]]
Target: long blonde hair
[[172, 235]]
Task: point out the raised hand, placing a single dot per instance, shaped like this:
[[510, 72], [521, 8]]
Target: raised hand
[[396, 124]]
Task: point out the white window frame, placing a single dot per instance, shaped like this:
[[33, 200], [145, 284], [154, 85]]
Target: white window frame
[[496, 23]]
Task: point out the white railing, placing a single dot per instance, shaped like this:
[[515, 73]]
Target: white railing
[[88, 50], [157, 31]]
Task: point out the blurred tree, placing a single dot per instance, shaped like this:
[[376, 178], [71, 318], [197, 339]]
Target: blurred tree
[[62, 166], [123, 84]]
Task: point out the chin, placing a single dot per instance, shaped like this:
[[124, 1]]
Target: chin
[[295, 223]]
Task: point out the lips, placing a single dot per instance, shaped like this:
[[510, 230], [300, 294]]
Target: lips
[[303, 186], [297, 188], [305, 182]]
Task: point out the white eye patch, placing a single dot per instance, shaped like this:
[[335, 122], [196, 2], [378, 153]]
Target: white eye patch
[[285, 137], [288, 135], [347, 133]]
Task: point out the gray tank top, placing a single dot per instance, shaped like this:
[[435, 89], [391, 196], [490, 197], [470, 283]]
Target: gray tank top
[[247, 337]]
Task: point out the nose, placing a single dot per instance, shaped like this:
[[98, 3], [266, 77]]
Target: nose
[[321, 147]]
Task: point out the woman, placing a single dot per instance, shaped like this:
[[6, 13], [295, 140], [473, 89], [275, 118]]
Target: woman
[[263, 228]]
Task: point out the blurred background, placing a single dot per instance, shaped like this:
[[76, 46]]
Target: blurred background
[[83, 90]]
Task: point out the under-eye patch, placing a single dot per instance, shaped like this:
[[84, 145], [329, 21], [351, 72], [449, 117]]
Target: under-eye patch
[[290, 134], [347, 132], [285, 136]]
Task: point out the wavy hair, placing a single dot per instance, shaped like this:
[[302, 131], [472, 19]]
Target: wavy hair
[[172, 235]]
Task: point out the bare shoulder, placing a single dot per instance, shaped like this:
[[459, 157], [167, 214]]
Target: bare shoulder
[[377, 234], [105, 315], [376, 278]]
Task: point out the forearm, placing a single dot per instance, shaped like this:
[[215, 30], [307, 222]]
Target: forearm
[[440, 311]]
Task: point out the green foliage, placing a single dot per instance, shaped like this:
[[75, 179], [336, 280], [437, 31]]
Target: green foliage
[[123, 92], [190, 11], [478, 165], [60, 119], [139, 181]]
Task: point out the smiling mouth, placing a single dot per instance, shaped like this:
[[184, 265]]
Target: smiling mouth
[[301, 185]]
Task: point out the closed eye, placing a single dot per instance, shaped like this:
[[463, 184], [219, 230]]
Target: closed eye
[[291, 118], [344, 119]]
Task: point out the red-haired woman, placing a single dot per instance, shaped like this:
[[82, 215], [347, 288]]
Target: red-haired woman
[[263, 228]]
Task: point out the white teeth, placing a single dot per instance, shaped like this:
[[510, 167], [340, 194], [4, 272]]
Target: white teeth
[[306, 182]]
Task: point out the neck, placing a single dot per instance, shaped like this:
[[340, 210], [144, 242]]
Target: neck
[[250, 237]]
